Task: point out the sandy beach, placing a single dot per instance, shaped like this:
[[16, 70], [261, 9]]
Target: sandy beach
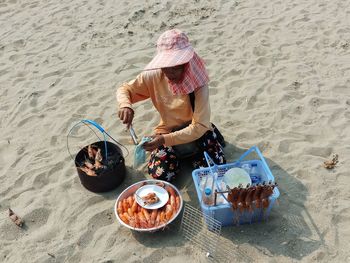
[[280, 79]]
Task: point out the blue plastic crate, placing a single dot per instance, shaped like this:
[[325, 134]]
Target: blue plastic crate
[[224, 212]]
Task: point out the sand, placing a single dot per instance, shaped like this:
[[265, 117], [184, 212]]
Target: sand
[[280, 79]]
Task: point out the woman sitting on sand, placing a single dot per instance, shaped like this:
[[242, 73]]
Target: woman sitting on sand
[[177, 83]]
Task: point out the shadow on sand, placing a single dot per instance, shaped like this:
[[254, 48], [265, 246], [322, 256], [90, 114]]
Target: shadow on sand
[[289, 231]]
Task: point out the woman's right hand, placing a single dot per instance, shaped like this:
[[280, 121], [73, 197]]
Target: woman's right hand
[[126, 115]]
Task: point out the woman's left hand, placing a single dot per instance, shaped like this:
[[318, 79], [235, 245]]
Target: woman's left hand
[[157, 140]]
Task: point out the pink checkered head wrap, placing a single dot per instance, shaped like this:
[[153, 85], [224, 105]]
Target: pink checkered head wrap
[[173, 49]]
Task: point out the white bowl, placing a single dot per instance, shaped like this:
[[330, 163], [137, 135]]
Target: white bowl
[[131, 191], [236, 176]]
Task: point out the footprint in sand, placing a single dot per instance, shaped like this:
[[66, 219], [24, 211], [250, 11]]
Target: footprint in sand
[[213, 91], [324, 152], [264, 61], [284, 146], [14, 57], [53, 73], [238, 102], [37, 218], [314, 102], [100, 219]]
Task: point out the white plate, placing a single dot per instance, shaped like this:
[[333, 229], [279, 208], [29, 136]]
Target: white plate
[[236, 176], [159, 191]]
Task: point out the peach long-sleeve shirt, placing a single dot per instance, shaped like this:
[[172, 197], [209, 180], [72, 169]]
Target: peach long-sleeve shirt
[[175, 110]]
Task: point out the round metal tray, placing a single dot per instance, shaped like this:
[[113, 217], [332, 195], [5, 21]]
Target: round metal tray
[[131, 190]]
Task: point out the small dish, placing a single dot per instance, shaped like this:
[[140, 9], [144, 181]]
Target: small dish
[[161, 193]]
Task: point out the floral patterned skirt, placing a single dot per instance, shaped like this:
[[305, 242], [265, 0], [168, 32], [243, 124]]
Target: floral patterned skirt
[[164, 163]]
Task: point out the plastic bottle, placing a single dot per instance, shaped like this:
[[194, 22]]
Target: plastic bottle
[[220, 198], [254, 174], [208, 190], [202, 181], [208, 197]]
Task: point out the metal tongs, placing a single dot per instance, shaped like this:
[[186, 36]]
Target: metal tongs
[[140, 198], [133, 135]]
